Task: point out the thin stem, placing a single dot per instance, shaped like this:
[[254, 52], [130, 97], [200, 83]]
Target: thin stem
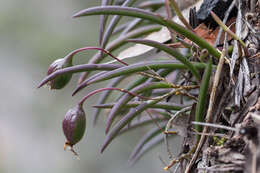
[[70, 55], [178, 12], [226, 29], [214, 125], [118, 89]]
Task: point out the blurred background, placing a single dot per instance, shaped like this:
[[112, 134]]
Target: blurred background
[[33, 33]]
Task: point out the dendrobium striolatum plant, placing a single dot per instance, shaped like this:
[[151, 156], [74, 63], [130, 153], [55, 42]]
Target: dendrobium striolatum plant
[[188, 74]]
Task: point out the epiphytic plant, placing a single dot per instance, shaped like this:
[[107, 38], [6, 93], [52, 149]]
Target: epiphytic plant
[[175, 87]]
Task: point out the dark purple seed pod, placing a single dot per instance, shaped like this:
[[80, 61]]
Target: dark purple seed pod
[[74, 125], [60, 81]]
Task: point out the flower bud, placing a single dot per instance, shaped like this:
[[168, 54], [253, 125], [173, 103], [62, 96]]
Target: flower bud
[[62, 80], [74, 125]]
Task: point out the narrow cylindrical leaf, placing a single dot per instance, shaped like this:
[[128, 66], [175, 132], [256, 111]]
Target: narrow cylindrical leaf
[[135, 12], [128, 118], [146, 138], [170, 51], [148, 146], [114, 21], [126, 98], [78, 68], [132, 104], [117, 43], [102, 99], [140, 67], [202, 101]]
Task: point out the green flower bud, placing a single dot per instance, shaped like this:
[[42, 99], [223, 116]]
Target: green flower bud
[[62, 80], [74, 125]]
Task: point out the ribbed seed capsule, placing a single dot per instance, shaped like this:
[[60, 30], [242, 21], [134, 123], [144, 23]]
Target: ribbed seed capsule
[[60, 81], [74, 125]]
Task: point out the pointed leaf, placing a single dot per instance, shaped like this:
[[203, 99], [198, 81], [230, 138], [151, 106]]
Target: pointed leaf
[[145, 139], [170, 51], [200, 108], [135, 12], [132, 104], [105, 95], [126, 98], [113, 23], [78, 68], [125, 120], [141, 123], [148, 146], [103, 21], [119, 42], [131, 26], [140, 67]]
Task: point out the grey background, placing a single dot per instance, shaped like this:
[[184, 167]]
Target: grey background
[[33, 33]]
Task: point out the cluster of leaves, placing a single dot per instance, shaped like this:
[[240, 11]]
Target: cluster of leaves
[[161, 88]]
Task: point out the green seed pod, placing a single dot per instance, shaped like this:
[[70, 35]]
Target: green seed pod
[[74, 125], [60, 81]]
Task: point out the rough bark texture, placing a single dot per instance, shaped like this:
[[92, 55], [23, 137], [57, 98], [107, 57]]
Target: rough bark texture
[[237, 102]]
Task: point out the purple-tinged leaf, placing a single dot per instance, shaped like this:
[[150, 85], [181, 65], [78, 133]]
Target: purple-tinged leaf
[[113, 23], [153, 17], [140, 67], [132, 104], [170, 51], [78, 68], [102, 99], [126, 98], [131, 26], [154, 5], [145, 139], [124, 121], [143, 121], [148, 146], [119, 42], [103, 20]]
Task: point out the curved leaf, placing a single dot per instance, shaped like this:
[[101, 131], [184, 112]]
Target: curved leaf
[[161, 105], [135, 12], [131, 26], [125, 120], [113, 23], [141, 123], [126, 98], [78, 68], [103, 21], [201, 105], [154, 5], [146, 138], [170, 51], [117, 43], [148, 146], [140, 67], [102, 99], [161, 72]]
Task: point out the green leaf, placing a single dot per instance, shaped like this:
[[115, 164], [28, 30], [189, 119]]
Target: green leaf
[[135, 12], [148, 146], [125, 120], [161, 105], [145, 139], [170, 51], [126, 98], [76, 69], [119, 42], [102, 99], [201, 105], [140, 67], [114, 21]]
